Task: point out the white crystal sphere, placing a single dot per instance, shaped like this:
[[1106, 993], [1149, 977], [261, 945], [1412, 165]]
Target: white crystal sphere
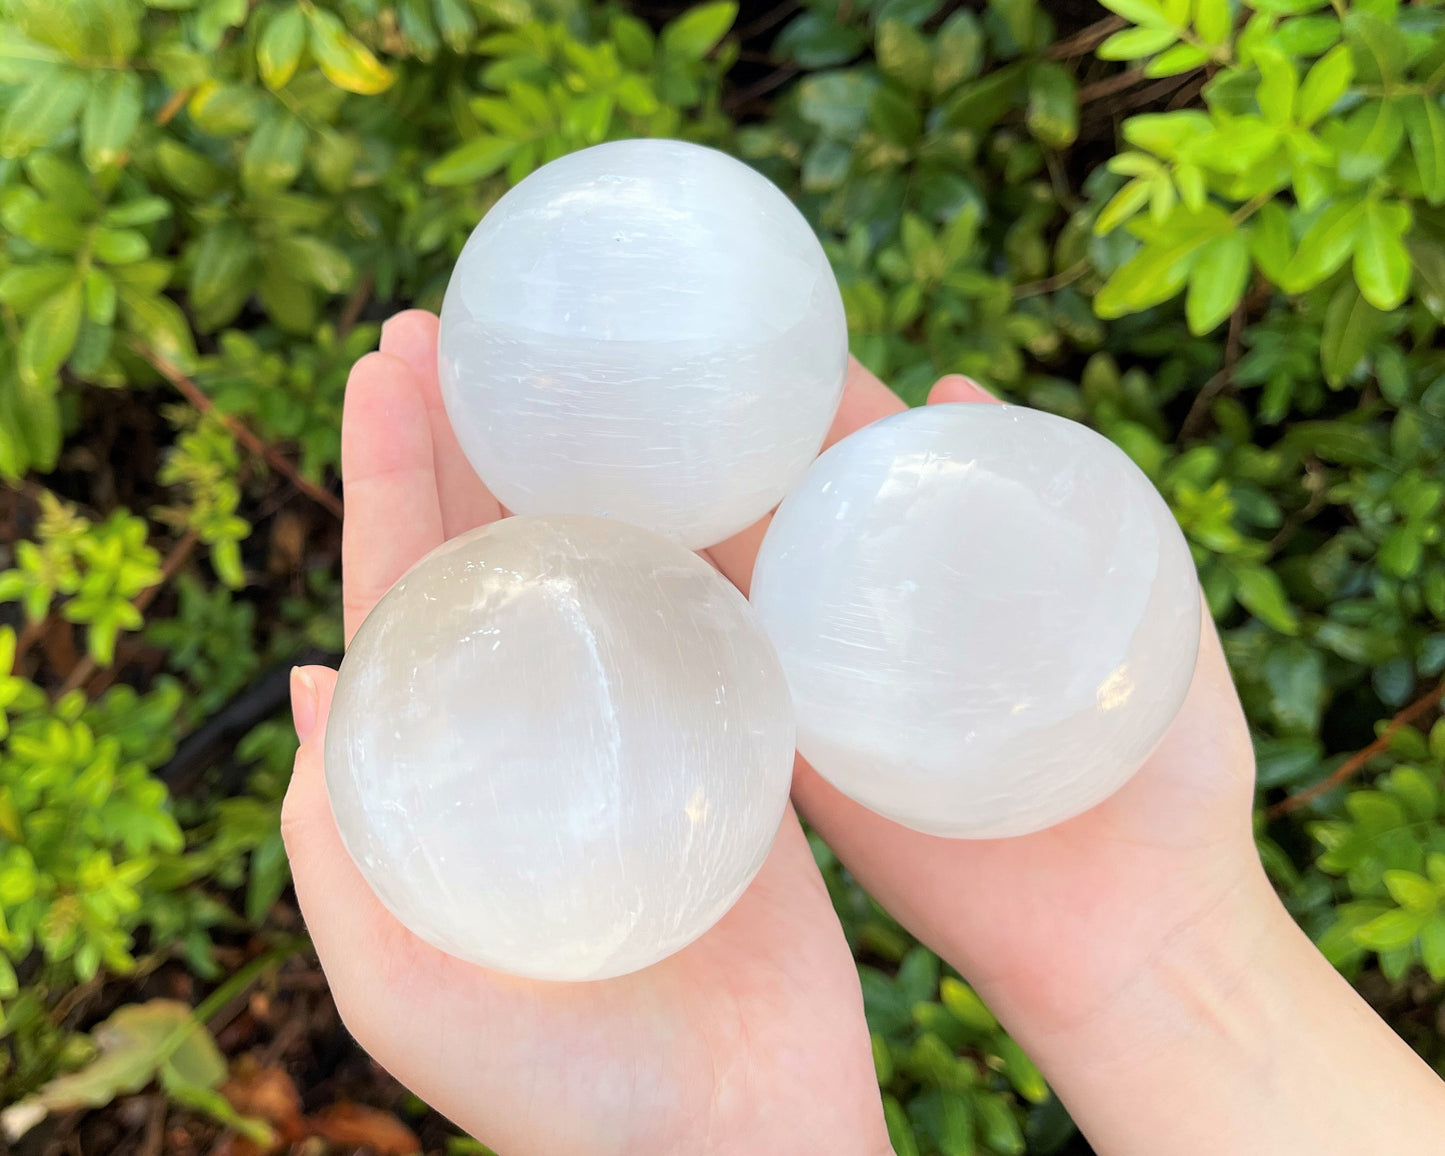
[[560, 747], [646, 330], [987, 615]]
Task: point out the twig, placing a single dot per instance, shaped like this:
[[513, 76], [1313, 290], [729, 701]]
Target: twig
[[1110, 85], [167, 112], [351, 313], [1360, 759], [278, 461], [1050, 284], [1084, 41], [181, 551], [1220, 381], [743, 96]]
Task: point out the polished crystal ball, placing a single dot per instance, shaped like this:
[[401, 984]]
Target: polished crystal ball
[[560, 746], [646, 330], [987, 615]]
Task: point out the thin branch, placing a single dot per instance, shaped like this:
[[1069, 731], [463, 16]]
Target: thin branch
[[1110, 85], [167, 112], [1360, 759], [177, 557], [278, 461], [1050, 284], [1220, 381], [1084, 41], [357, 302]]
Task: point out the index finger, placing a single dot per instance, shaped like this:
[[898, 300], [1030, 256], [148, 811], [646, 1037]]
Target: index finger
[[388, 473]]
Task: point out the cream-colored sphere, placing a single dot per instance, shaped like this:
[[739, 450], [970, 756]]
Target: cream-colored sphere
[[645, 330], [987, 615], [560, 747]]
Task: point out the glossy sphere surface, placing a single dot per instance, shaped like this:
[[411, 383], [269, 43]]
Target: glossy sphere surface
[[987, 615], [560, 747], [646, 330]]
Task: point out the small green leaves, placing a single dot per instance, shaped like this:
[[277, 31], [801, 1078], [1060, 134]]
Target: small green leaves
[[344, 60], [1382, 266], [278, 53], [44, 108], [1371, 136], [1053, 105], [699, 30], [1324, 85], [50, 334], [1260, 592], [112, 113], [480, 157], [1217, 281]]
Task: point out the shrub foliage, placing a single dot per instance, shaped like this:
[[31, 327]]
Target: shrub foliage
[[1213, 230]]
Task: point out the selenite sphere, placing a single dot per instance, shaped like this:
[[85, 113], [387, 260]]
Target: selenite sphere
[[645, 330], [560, 747], [987, 616]]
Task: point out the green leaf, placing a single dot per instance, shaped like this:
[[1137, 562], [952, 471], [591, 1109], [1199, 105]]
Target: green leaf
[[1380, 49], [1213, 21], [111, 116], [119, 246], [274, 154], [160, 324], [1278, 84], [43, 110], [1144, 13], [1271, 242], [1123, 205], [50, 333], [311, 258], [1432, 947], [1053, 109], [900, 1132], [1324, 84], [1352, 326], [1393, 929], [1217, 281], [697, 32], [904, 55], [1160, 269], [1260, 592], [23, 287], [1382, 265], [1134, 43], [998, 1126], [957, 50], [480, 157], [1370, 139], [1180, 58], [278, 53], [1425, 125], [1412, 891], [343, 59], [1326, 246]]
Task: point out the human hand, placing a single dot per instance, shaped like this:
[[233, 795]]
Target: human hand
[[749, 1040], [1138, 951]]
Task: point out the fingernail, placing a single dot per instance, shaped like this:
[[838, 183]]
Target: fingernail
[[969, 383], [303, 702]]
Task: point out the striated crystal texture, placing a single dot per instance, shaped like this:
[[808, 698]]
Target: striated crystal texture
[[646, 330], [560, 747], [987, 615]]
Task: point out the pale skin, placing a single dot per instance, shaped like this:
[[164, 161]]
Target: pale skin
[[1137, 951]]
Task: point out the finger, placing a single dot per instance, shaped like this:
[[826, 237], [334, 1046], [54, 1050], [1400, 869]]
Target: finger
[[392, 513], [465, 501], [865, 400], [388, 985], [955, 387]]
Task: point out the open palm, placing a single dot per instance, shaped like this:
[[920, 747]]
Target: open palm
[[751, 1039]]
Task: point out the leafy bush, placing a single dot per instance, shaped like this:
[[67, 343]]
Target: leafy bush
[[1226, 252]]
